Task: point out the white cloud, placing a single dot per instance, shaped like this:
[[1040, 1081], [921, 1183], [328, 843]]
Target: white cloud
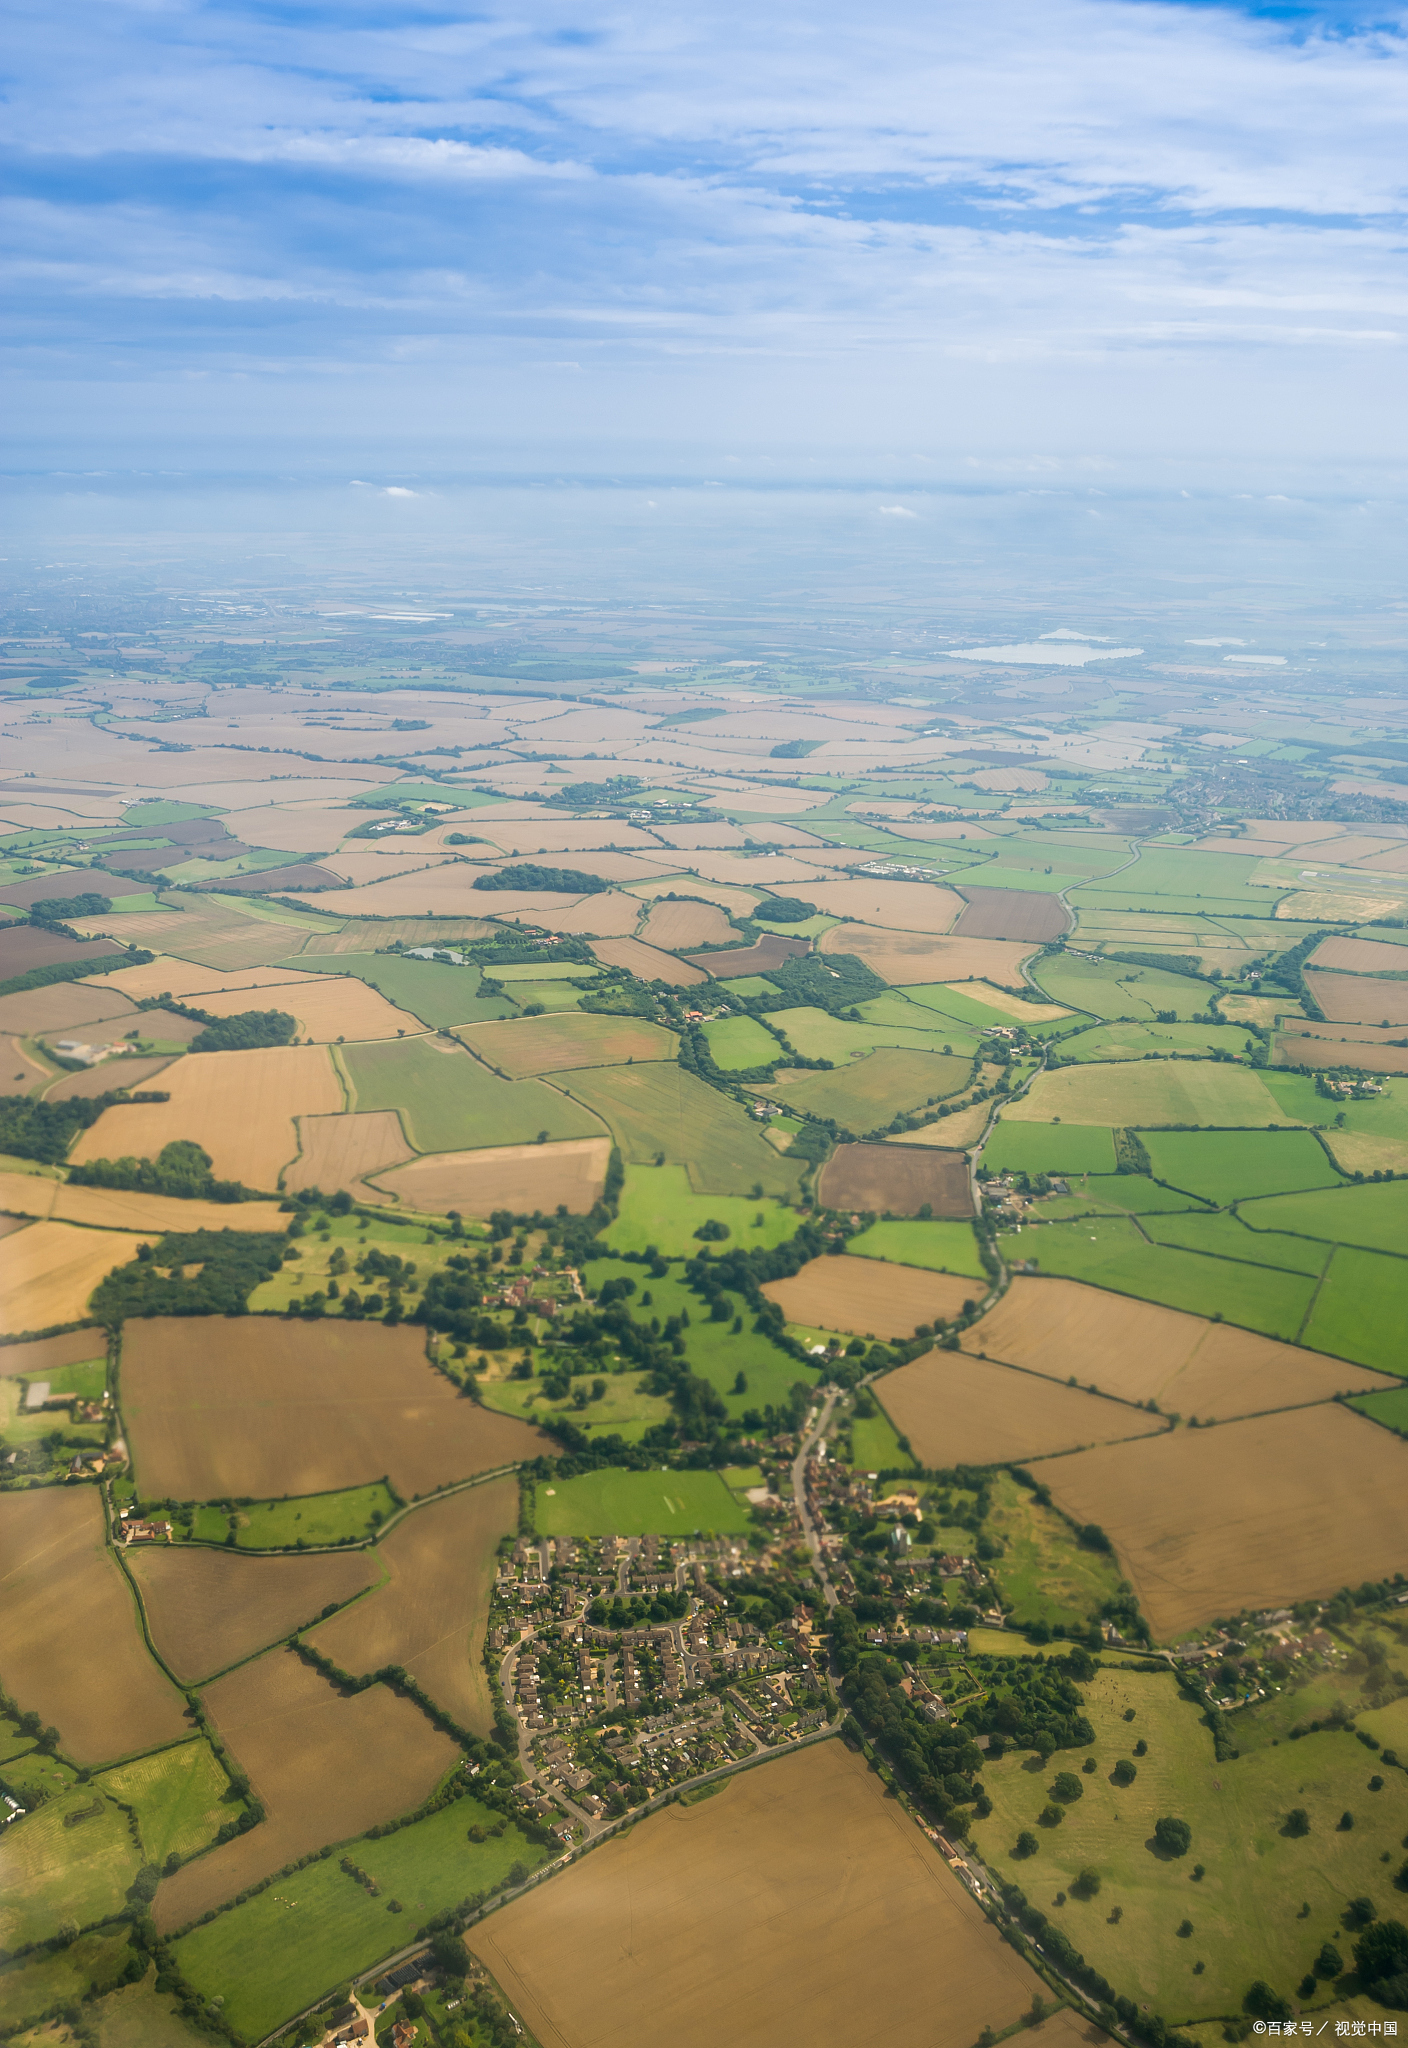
[[1030, 653], [1214, 643], [1066, 633], [398, 491], [896, 512]]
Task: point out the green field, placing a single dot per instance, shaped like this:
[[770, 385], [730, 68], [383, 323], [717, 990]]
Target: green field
[[179, 1795], [1146, 1093], [875, 1445], [965, 1005], [317, 1928], [1133, 1041], [554, 996], [819, 1036], [1133, 1193], [1373, 1216], [740, 1042], [1043, 1571], [1230, 1166], [33, 1983], [1061, 1148], [1110, 1251], [1246, 1913], [310, 1519], [55, 1873], [870, 1091], [1358, 1312], [434, 991], [545, 970], [659, 1207], [1228, 1238], [1390, 1409], [615, 1502], [941, 1247], [450, 1101], [625, 1409], [660, 1108], [715, 1352], [1115, 989]]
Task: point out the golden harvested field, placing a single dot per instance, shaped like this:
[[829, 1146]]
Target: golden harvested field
[[1358, 999], [1271, 1510], [898, 906], [523, 1178], [326, 1006], [184, 980], [1357, 1152], [263, 1407], [957, 1410], [444, 890], [611, 916], [1358, 956], [962, 1129], [869, 1297], [797, 1906], [25, 1194], [359, 937], [550, 1045], [646, 963], [208, 1609], [1139, 1352], [325, 1767], [903, 957], [1012, 1005], [239, 1105], [678, 926], [432, 1614], [340, 1151], [134, 1073], [1323, 1049], [52, 1268], [1149, 1093], [71, 1649], [896, 1183]]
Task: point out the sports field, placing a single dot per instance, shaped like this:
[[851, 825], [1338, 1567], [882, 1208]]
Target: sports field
[[208, 1609], [869, 1299], [659, 1109], [1230, 1166], [658, 1206], [1112, 1251], [629, 1947], [1062, 1148], [621, 1503], [450, 1101], [942, 1247], [1147, 1093], [66, 1611], [261, 1407], [431, 1611], [1259, 1513], [520, 1178], [960, 1410], [549, 1045], [869, 1091], [326, 1767]]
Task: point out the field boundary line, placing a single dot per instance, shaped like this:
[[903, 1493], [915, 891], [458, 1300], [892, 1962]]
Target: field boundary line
[[1304, 1323]]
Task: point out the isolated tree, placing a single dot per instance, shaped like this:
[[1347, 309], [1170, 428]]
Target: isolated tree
[[1124, 1772], [1087, 1884], [1297, 1821], [1174, 1837], [1329, 1962], [1051, 1816], [1067, 1786], [1361, 1911], [1027, 1844]]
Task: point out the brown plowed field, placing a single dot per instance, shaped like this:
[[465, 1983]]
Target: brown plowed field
[[325, 1007], [676, 926], [50, 1271], [957, 1410], [899, 906], [1271, 1510], [522, 1178], [1360, 956], [183, 980], [734, 961], [868, 1297], [306, 875], [37, 888], [901, 958], [1359, 999], [550, 1045], [45, 1355], [19, 1069], [340, 1151], [1139, 1352], [324, 1766], [797, 1908], [646, 963], [71, 1649], [900, 1183], [25, 946], [958, 1131], [67, 1006], [411, 931], [1011, 914], [254, 1405], [239, 1105], [613, 915], [1322, 1050], [433, 1613], [133, 1073], [208, 1609]]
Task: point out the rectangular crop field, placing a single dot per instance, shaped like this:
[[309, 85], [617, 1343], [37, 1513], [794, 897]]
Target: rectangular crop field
[[700, 1926], [1140, 1352], [658, 1206], [1358, 999], [678, 926], [1358, 1312], [1112, 1251], [325, 1767], [1060, 1148], [121, 1209], [521, 1178], [260, 1407], [324, 1007], [432, 990], [869, 1298], [737, 1043], [647, 963], [1224, 1235], [1011, 914], [904, 957], [432, 1611], [888, 1020], [548, 1045], [208, 1609], [56, 1872], [959, 1410], [239, 1105], [911, 906], [869, 1091], [52, 1268], [620, 1503], [338, 1151], [180, 1797], [1149, 1093], [66, 1613], [450, 1102], [941, 1247], [660, 1109], [878, 1178], [1230, 1166], [1373, 1216], [1271, 1510]]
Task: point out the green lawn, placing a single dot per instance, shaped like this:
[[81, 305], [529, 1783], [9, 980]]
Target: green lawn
[[319, 1927], [941, 1247], [740, 1042], [55, 1873], [875, 1444], [179, 1797], [616, 1502], [450, 1101], [1059, 1148], [1391, 1409], [1373, 1216], [1246, 1912], [1358, 1312], [658, 1206], [1043, 1571], [658, 1108], [1230, 1166], [1230, 1239], [1110, 1252], [433, 990], [316, 1518]]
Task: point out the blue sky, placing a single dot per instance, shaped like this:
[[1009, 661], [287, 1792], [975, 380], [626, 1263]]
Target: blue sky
[[1031, 237]]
